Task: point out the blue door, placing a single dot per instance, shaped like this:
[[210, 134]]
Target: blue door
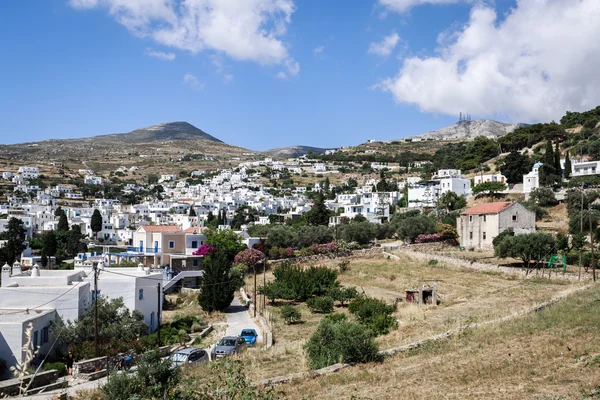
[[141, 246], [156, 247]]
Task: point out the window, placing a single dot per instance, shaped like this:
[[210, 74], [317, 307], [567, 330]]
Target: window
[[470, 235], [35, 340], [483, 235], [195, 263], [470, 218], [514, 218], [171, 244], [141, 294], [194, 244], [45, 335], [152, 320], [484, 218]]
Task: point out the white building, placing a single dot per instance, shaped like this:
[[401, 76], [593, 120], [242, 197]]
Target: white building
[[319, 167], [532, 179], [489, 178], [93, 180], [29, 172], [584, 167]]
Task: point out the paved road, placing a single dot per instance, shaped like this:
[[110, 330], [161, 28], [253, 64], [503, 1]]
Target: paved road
[[238, 319]]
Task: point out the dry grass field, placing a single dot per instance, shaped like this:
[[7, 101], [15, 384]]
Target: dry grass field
[[466, 297]]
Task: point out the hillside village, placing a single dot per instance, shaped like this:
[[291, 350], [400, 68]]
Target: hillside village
[[439, 234]]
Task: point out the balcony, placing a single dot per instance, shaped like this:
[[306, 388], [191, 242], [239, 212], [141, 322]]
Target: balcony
[[147, 250]]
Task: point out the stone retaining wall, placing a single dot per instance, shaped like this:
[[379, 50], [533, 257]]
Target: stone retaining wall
[[12, 387]]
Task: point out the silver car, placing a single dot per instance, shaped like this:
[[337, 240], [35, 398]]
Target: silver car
[[228, 345], [189, 356]]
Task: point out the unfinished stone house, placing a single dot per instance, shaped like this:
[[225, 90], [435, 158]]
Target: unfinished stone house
[[479, 225]]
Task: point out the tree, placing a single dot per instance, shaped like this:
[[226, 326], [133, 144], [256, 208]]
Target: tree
[[192, 212], [115, 323], [339, 340], [543, 197], [567, 165], [527, 247], [549, 154], [411, 227], [15, 240], [49, 244], [63, 222], [248, 257], [319, 214], [58, 212], [453, 201], [218, 283], [491, 189], [227, 242], [359, 232], [280, 236], [514, 166], [96, 222], [290, 314], [557, 166]]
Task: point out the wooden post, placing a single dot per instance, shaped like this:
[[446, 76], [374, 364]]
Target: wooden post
[[254, 299], [96, 309], [592, 245]]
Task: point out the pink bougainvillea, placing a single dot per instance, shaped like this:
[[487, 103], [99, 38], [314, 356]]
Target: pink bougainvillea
[[205, 250], [326, 248], [430, 238], [248, 257]]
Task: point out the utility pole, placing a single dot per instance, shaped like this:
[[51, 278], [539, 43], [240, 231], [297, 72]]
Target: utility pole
[[96, 309], [158, 311], [592, 243], [255, 302], [264, 283]]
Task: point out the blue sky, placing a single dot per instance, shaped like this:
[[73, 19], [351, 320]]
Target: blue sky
[[310, 72]]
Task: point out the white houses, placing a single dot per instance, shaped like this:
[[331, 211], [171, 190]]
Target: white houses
[[479, 225], [489, 178], [29, 172]]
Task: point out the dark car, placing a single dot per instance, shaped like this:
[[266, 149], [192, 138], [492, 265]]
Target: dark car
[[227, 346], [189, 356]]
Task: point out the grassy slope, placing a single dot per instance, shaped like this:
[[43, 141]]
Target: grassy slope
[[548, 355]]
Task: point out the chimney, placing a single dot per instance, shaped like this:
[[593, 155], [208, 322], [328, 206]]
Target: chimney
[[35, 271], [16, 268], [5, 273]]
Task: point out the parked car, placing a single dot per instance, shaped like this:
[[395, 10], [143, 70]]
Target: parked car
[[228, 345], [249, 336], [189, 356]]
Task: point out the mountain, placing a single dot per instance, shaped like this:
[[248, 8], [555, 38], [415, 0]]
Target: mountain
[[161, 132], [472, 129], [293, 151]]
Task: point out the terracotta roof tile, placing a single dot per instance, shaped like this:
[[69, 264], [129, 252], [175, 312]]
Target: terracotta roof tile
[[161, 228], [194, 229], [488, 208]]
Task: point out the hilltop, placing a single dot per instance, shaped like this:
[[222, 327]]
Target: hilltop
[[472, 129], [178, 130]]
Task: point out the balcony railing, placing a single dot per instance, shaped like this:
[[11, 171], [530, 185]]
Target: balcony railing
[[137, 249]]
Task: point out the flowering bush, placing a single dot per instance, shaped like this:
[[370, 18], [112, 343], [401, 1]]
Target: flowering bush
[[430, 238], [277, 253], [248, 257], [324, 248], [205, 250]]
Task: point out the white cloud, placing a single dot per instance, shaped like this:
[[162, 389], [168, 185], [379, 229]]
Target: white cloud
[[160, 54], [193, 82], [533, 65], [402, 6], [281, 75], [319, 50], [386, 46], [248, 30]]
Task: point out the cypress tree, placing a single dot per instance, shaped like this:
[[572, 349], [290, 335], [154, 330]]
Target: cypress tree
[[567, 165], [557, 166]]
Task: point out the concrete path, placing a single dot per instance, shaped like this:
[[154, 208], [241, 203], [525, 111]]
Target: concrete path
[[238, 319]]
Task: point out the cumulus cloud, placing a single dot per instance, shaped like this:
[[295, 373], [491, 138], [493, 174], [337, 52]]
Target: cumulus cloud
[[249, 30], [386, 46], [193, 82], [535, 64], [402, 6], [160, 54]]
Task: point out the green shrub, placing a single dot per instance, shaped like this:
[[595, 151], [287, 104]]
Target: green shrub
[[343, 294], [196, 327], [338, 340], [289, 314], [61, 368], [374, 314], [322, 304]]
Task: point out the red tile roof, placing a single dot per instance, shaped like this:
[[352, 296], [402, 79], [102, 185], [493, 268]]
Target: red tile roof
[[488, 208], [161, 228], [194, 229]]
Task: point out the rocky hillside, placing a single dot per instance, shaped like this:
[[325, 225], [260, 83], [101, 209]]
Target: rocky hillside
[[161, 132], [293, 151], [472, 129]]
